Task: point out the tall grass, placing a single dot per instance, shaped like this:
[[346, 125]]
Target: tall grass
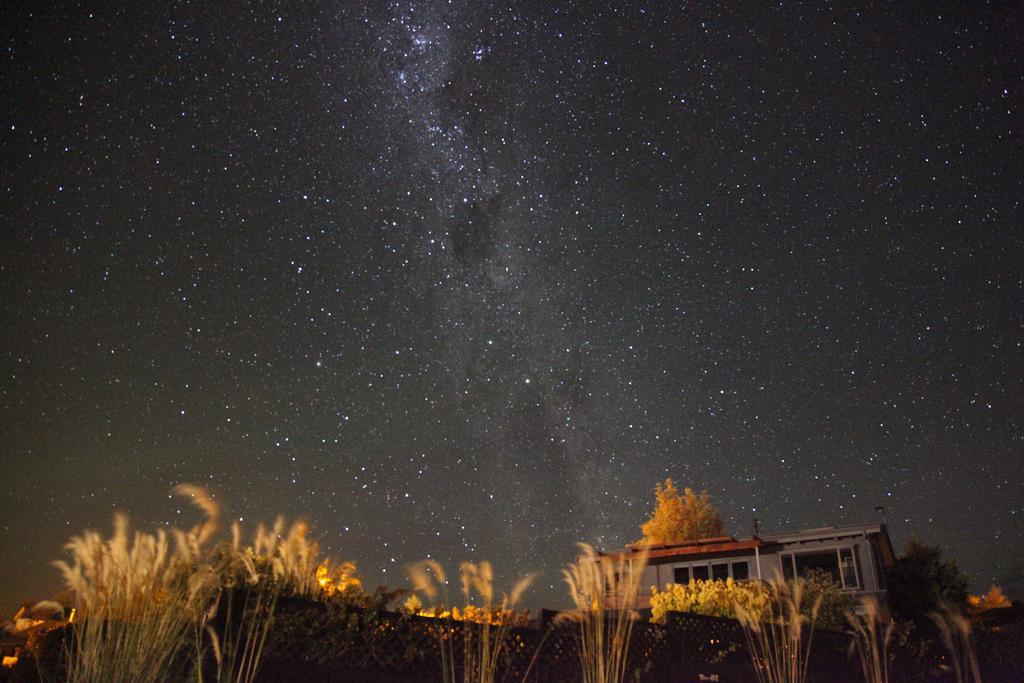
[[603, 590], [137, 599], [872, 637], [955, 630], [779, 639], [293, 557], [149, 610], [243, 609], [485, 622]]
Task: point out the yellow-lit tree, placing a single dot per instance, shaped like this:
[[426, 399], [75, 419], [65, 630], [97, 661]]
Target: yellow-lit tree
[[680, 517], [994, 599]]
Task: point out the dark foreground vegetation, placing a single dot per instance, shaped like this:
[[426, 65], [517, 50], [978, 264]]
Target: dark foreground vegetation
[[318, 642], [183, 607]]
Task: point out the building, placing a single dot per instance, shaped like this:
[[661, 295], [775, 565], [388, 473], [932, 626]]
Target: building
[[856, 556]]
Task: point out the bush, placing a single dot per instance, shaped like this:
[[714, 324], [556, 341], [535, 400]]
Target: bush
[[711, 598], [342, 629], [835, 603], [720, 599]]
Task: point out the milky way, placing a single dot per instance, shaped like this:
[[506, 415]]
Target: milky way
[[465, 281]]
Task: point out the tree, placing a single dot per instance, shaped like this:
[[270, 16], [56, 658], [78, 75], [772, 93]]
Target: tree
[[994, 599], [678, 518], [920, 582]]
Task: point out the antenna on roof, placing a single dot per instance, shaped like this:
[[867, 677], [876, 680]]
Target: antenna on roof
[[880, 509], [757, 527]]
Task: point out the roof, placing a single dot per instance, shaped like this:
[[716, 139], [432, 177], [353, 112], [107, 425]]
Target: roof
[[824, 532], [722, 544], [730, 544]]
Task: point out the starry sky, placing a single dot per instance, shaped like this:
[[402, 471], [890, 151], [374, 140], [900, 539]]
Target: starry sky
[[464, 279]]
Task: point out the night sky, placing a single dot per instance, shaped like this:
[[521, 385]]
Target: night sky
[[465, 281]]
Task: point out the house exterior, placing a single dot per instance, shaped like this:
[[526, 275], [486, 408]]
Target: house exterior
[[856, 556]]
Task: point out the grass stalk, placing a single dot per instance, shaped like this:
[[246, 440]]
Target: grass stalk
[[136, 599], [955, 630], [485, 621], [779, 639], [872, 637], [148, 609], [603, 590]]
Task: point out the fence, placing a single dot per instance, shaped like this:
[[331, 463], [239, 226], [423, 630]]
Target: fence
[[392, 647], [313, 642]]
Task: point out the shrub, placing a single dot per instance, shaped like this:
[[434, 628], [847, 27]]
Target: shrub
[[833, 603], [714, 598], [346, 630]]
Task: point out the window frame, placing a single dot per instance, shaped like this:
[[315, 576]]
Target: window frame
[[788, 560], [708, 565], [620, 568]]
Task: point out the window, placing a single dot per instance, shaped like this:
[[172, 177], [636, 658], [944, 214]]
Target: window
[[848, 568], [713, 571], [787, 567], [839, 563], [827, 562], [612, 582], [615, 583]]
